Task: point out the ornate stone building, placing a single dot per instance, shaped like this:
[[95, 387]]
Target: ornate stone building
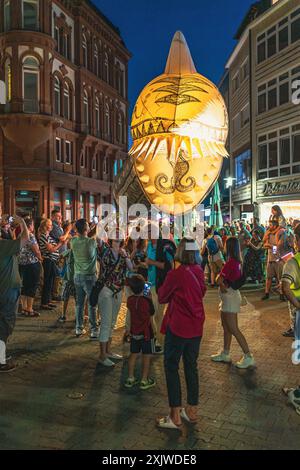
[[63, 129]]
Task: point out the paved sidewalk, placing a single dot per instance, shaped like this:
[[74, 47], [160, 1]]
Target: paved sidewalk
[[238, 410]]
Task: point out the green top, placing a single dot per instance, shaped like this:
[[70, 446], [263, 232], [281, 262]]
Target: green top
[[85, 255], [9, 268]]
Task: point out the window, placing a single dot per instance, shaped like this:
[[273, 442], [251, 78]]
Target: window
[[245, 115], [279, 153], [7, 15], [96, 60], [235, 83], [280, 36], [31, 15], [97, 117], [57, 96], [31, 85], [119, 129], [283, 38], [58, 150], [69, 153], [84, 51], [236, 124], [67, 107], [115, 167], [106, 69], [8, 80], [107, 121], [83, 158], [86, 111], [105, 166], [243, 168], [245, 70], [95, 163], [277, 91], [56, 37]]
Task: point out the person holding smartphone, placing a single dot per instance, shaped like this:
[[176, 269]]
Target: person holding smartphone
[[10, 289], [274, 263]]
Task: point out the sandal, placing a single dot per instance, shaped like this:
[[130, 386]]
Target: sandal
[[185, 416], [167, 423], [33, 314]]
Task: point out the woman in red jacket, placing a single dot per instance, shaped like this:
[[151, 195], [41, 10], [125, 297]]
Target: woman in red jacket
[[183, 289]]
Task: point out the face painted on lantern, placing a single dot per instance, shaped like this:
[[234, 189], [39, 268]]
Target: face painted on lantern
[[179, 128]]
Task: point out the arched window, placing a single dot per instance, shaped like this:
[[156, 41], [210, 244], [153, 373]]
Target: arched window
[[8, 80], [67, 102], [30, 14], [106, 68], [31, 75], [97, 117], [95, 163], [86, 110], [96, 60], [105, 166], [119, 128], [107, 121], [57, 96], [84, 51]]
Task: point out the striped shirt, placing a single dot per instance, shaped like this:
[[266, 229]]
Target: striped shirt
[[43, 241]]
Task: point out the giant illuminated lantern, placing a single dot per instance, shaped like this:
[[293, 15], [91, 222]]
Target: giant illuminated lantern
[[179, 129]]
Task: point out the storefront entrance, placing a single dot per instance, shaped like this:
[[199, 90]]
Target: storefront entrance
[[27, 203]]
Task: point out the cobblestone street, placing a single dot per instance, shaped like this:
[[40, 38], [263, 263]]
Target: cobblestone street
[[238, 409]]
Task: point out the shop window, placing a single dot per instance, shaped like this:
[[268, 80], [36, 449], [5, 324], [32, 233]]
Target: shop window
[[69, 206], [31, 75], [57, 200], [30, 14]]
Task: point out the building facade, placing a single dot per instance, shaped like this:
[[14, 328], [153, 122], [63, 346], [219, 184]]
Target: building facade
[[264, 142], [63, 134]]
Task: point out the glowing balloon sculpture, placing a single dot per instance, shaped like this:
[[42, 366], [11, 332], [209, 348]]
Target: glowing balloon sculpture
[[179, 128]]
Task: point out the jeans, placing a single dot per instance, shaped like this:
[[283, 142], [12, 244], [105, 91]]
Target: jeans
[[83, 287], [297, 326], [49, 276], [188, 349], [9, 303], [109, 306]]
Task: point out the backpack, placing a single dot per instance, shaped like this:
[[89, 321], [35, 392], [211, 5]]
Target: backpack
[[212, 246]]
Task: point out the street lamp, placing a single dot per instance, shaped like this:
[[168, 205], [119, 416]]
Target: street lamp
[[229, 184]]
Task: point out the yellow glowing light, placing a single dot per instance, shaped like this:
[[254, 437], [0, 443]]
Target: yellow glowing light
[[179, 128]]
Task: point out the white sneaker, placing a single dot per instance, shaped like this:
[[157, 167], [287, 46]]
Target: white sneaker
[[107, 363], [94, 335], [115, 356], [80, 332], [245, 362], [221, 357]]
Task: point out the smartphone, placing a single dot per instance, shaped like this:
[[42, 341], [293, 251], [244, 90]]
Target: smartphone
[[95, 220], [274, 249], [10, 219], [147, 289]]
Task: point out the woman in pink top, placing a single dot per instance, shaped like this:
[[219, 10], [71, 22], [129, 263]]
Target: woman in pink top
[[183, 289], [230, 306]]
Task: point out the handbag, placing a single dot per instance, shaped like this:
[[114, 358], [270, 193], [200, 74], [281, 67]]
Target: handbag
[[98, 286]]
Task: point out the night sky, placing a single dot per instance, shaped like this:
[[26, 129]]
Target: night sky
[[147, 27]]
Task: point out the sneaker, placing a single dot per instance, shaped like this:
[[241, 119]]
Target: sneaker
[[94, 335], [115, 356], [80, 332], [245, 362], [146, 384], [8, 367], [289, 333], [107, 363], [131, 382], [294, 398], [221, 357], [159, 350], [62, 319], [266, 297]]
